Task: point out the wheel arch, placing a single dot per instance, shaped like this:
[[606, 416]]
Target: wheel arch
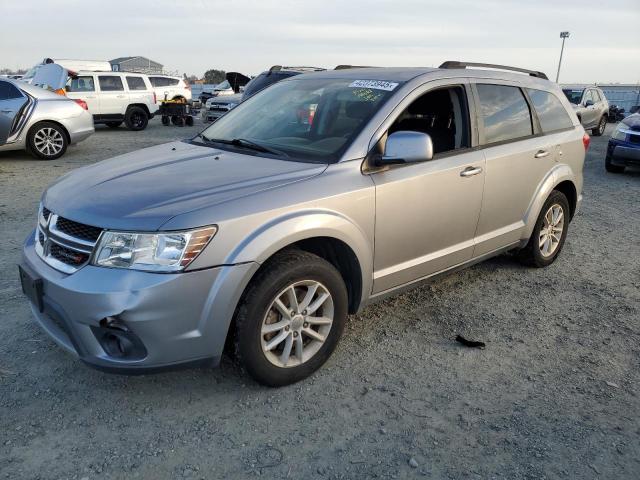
[[562, 179], [327, 234], [141, 105], [64, 129]]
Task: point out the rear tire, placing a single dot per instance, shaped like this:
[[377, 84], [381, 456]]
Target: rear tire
[[113, 124], [311, 279], [610, 167], [136, 119], [549, 233], [47, 141], [599, 130]]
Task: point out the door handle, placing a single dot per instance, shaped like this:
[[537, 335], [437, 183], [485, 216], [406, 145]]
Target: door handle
[[541, 154], [470, 171]]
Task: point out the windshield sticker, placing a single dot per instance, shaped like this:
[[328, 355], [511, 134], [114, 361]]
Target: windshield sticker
[[376, 84]]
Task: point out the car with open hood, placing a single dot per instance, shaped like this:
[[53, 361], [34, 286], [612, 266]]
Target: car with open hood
[[313, 198]]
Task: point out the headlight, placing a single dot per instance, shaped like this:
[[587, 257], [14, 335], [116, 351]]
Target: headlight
[[155, 252], [618, 133]]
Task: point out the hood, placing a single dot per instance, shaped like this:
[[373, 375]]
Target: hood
[[142, 190], [236, 98], [50, 77], [633, 121], [237, 80]]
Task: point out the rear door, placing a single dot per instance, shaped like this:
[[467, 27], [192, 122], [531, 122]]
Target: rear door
[[113, 97], [83, 87], [517, 160], [12, 100]]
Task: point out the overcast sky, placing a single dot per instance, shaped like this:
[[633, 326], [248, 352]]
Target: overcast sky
[[192, 36]]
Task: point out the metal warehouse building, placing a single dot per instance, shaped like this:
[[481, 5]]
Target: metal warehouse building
[[135, 64]]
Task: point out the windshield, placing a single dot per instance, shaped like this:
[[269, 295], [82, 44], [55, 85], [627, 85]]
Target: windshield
[[223, 86], [574, 96], [306, 120]]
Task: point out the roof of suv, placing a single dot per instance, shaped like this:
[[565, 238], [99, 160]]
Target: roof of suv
[[403, 74]]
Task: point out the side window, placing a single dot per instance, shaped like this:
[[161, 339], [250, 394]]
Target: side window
[[80, 84], [440, 113], [111, 83], [153, 80], [588, 97], [136, 83], [551, 113], [504, 113], [172, 81], [9, 91], [596, 96]]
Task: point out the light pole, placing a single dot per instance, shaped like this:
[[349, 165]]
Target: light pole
[[563, 36]]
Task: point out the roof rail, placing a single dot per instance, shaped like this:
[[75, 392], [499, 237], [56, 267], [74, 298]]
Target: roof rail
[[277, 68], [457, 64], [347, 67]]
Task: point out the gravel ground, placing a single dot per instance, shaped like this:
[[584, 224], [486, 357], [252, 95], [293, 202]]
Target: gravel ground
[[553, 395]]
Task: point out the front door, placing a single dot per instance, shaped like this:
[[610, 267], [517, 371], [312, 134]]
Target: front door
[[426, 213], [11, 102]]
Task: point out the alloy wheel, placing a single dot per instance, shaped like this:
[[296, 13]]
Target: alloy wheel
[[551, 231], [48, 141], [297, 323]]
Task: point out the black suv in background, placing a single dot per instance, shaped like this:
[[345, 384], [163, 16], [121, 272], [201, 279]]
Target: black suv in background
[[274, 75]]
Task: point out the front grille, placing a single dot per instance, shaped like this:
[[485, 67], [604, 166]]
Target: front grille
[[79, 230], [67, 255], [64, 244]]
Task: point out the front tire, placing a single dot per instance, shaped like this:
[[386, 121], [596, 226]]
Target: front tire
[[290, 318], [599, 130], [136, 119], [549, 233], [47, 141]]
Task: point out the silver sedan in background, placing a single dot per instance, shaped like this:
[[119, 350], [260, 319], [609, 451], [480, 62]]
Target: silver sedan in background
[[39, 121]]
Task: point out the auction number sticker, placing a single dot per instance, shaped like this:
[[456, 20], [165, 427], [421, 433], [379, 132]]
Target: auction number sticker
[[375, 84]]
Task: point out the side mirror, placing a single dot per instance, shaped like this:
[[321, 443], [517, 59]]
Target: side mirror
[[407, 147], [588, 103]]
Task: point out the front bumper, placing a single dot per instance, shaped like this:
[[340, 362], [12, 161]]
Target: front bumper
[[623, 153], [178, 318]]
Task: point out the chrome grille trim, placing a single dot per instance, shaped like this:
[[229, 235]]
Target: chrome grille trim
[[47, 229]]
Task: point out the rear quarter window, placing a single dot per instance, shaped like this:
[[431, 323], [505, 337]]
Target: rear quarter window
[[136, 83], [550, 111], [504, 113]]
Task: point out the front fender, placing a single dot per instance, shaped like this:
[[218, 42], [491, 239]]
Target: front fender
[[283, 231], [557, 175]]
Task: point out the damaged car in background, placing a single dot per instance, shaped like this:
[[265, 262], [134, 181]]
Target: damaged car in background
[[40, 121]]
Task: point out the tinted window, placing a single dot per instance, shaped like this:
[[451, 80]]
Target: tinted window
[[172, 81], [573, 95], [551, 113], [263, 80], [9, 91], [80, 84], [110, 84], [136, 83], [504, 113]]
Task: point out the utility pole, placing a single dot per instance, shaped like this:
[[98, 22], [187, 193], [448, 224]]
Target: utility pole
[[563, 36]]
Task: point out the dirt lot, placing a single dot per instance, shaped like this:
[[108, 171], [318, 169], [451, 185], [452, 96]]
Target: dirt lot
[[555, 394]]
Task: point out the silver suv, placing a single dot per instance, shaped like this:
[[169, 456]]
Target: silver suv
[[591, 107], [314, 198]]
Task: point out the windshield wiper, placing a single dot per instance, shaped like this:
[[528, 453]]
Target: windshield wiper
[[244, 143]]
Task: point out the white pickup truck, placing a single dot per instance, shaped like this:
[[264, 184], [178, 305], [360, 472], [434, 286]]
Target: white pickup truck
[[115, 97]]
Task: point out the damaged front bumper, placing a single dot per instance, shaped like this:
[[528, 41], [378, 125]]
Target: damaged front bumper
[[130, 321]]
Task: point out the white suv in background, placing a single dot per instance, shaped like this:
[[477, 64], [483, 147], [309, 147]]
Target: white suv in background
[[115, 97], [170, 88]]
